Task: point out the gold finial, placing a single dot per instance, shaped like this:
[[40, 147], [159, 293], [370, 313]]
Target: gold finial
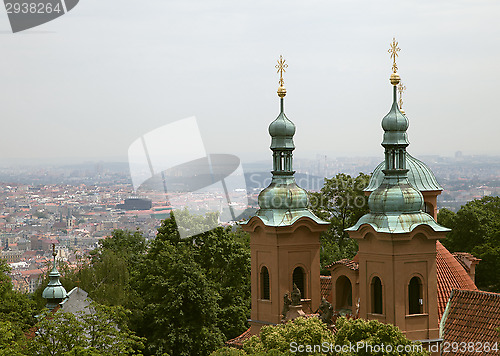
[[54, 250], [281, 67], [401, 89], [394, 54]]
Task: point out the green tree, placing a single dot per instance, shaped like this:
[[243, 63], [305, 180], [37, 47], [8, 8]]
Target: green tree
[[370, 333], [281, 339], [341, 201], [475, 228], [195, 291], [100, 331], [17, 313]]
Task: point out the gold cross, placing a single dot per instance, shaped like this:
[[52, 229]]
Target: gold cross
[[401, 89], [281, 66], [394, 53]]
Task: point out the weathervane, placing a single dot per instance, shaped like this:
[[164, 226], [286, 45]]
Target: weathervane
[[394, 54], [281, 67], [401, 89]]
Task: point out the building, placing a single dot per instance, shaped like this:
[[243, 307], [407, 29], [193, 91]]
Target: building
[[401, 274]]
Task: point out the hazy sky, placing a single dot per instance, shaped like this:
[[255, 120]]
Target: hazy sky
[[88, 84]]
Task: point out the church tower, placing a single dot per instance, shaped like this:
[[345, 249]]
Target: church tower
[[284, 233], [397, 240], [54, 293]]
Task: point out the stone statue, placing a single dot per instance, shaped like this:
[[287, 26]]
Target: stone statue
[[326, 310], [296, 297], [286, 305]]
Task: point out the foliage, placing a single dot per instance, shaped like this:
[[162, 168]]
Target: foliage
[[475, 228], [228, 351], [99, 331], [17, 313], [276, 340], [195, 291], [341, 201], [373, 332]]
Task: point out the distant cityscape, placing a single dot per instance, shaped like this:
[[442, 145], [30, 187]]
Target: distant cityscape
[[73, 206]]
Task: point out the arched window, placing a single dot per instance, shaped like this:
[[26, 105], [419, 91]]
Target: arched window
[[377, 303], [298, 278], [264, 284], [343, 291], [415, 301]]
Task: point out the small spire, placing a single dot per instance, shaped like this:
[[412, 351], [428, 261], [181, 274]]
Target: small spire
[[281, 67], [401, 90], [394, 54]]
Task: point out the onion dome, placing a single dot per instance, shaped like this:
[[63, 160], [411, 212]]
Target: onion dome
[[419, 175], [395, 205], [54, 293], [283, 202]]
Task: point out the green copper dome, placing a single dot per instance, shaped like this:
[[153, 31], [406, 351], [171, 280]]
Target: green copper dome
[[395, 205], [283, 202], [283, 193], [282, 131], [395, 195], [395, 125], [54, 293], [419, 175]]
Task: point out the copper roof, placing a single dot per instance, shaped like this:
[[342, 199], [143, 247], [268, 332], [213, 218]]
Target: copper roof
[[473, 316], [450, 275]]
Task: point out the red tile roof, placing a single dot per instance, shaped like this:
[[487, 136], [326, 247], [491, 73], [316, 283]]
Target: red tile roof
[[351, 264], [326, 287], [465, 259], [450, 275], [473, 316], [239, 340]]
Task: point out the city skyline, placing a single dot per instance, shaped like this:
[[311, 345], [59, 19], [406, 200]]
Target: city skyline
[[86, 85]]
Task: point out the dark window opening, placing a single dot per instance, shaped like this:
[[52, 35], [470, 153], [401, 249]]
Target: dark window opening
[[343, 293], [415, 301], [264, 286], [377, 296], [299, 279]]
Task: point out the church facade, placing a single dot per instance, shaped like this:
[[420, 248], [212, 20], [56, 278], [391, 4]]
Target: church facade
[[401, 274]]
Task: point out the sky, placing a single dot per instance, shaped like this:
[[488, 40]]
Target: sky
[[90, 83]]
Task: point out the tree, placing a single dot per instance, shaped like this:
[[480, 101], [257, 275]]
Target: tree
[[100, 331], [195, 291], [475, 228], [341, 201], [367, 334], [281, 339], [312, 337], [17, 313]]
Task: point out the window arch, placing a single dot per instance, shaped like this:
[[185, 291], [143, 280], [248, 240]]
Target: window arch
[[343, 289], [298, 278], [265, 292], [377, 295], [415, 301]]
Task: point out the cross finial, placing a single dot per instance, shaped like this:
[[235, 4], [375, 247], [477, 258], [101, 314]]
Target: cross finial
[[394, 54], [401, 89], [281, 67]]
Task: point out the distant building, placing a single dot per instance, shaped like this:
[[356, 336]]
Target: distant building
[[135, 204]]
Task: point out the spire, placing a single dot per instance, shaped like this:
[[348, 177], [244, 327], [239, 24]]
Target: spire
[[395, 194], [395, 206], [283, 201], [54, 292], [282, 131]]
